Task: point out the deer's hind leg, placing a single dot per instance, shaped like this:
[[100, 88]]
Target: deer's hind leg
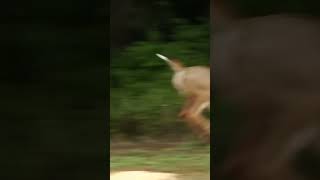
[[192, 115], [190, 100]]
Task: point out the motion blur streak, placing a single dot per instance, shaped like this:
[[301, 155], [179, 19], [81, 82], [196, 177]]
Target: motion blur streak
[[268, 67]]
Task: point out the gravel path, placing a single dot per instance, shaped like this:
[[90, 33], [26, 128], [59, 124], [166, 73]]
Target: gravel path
[[142, 175]]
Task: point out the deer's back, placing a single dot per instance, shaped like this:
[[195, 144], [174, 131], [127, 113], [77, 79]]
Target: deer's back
[[193, 80]]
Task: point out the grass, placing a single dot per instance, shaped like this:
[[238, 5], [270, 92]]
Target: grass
[[184, 158]]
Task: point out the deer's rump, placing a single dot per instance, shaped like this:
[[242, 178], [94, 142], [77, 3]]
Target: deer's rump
[[193, 79]]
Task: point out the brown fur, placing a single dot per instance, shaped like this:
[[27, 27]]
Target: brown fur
[[194, 84]]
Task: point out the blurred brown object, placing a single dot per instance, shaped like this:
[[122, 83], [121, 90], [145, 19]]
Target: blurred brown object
[[194, 84], [269, 68], [221, 13]]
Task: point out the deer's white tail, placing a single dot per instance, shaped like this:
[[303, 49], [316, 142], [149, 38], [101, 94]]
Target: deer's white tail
[[175, 66]]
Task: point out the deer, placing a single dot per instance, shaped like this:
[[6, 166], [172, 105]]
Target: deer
[[268, 67], [194, 84]]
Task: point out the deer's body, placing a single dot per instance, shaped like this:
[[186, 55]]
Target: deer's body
[[192, 80], [193, 83]]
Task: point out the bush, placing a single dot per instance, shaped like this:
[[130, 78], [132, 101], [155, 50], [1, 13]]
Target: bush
[[143, 102]]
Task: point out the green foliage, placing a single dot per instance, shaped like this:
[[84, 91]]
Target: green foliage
[[143, 101]]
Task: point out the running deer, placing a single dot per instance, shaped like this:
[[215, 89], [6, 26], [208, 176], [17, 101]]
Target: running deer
[[194, 84]]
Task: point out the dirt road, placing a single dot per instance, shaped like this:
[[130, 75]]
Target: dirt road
[[159, 161]]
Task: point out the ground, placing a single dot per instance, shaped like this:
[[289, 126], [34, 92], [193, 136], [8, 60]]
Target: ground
[[189, 159]]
